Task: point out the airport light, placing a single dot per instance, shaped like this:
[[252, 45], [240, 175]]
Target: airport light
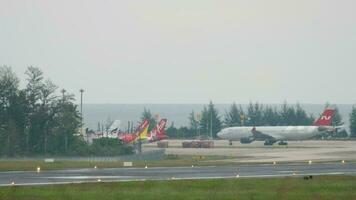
[[38, 169], [294, 173], [146, 167], [343, 162], [13, 183], [99, 180], [310, 162], [238, 176], [95, 167], [192, 165], [274, 162]]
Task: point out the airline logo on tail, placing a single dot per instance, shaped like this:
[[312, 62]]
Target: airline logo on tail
[[158, 132], [326, 118]]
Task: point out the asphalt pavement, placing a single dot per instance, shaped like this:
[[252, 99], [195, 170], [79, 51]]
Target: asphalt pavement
[[173, 173]]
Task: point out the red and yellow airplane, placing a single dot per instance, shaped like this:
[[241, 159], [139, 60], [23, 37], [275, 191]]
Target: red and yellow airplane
[[140, 133]]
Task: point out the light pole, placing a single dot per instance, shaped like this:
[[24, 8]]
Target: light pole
[[81, 110]]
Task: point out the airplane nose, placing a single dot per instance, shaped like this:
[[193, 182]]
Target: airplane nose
[[220, 134]]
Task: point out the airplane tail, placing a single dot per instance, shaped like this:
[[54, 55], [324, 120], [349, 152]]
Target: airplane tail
[[142, 126], [142, 130], [158, 131], [326, 118], [143, 134]]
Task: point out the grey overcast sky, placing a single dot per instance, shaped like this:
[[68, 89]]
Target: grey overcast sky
[[187, 51]]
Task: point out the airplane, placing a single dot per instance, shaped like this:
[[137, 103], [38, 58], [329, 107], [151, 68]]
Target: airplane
[[273, 134], [158, 133], [140, 133]]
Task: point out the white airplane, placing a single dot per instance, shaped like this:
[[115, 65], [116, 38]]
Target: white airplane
[[272, 134]]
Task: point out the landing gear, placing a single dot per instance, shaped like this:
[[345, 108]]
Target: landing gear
[[282, 143], [269, 142], [230, 142]]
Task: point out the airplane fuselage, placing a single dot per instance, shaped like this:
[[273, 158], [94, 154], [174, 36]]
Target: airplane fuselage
[[276, 132]]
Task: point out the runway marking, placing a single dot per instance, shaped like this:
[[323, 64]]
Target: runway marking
[[68, 182], [289, 171], [83, 177], [120, 168]]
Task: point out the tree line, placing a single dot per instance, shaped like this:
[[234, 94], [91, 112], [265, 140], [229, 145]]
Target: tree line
[[37, 120], [209, 121]]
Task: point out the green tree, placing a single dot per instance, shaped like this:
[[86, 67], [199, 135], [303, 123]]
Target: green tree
[[35, 120], [172, 131], [146, 114], [65, 123], [11, 113], [234, 117], [353, 122], [288, 115], [47, 112], [270, 116], [41, 99], [254, 113], [210, 122], [17, 125], [301, 117], [34, 123], [194, 123]]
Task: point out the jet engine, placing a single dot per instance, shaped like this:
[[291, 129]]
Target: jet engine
[[246, 140]]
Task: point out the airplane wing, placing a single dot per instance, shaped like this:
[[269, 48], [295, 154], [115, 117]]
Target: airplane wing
[[258, 135]]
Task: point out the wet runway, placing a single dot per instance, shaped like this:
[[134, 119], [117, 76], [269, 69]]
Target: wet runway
[[173, 173]]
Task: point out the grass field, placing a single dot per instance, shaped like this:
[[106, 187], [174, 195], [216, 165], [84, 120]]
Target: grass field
[[323, 187]]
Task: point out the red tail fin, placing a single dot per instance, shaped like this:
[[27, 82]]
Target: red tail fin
[[159, 129], [326, 118]]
